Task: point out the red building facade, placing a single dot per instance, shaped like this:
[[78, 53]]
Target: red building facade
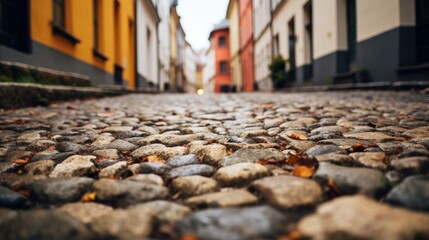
[[219, 39], [246, 44]]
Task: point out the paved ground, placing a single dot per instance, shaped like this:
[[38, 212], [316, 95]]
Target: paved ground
[[330, 165]]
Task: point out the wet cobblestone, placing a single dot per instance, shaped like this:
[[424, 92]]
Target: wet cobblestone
[[238, 166]]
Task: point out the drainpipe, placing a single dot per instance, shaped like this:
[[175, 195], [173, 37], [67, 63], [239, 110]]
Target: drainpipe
[[271, 28], [158, 52], [136, 72], [240, 48]]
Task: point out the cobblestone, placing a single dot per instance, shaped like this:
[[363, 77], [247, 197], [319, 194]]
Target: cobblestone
[[149, 164]]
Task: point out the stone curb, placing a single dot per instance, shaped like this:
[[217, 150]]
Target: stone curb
[[402, 85], [19, 95]]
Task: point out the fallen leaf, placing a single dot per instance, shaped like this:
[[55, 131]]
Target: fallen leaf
[[154, 158], [303, 171], [302, 159], [21, 162], [211, 141], [88, 197], [296, 135], [358, 147], [230, 151], [51, 147], [259, 140], [293, 235], [333, 190], [23, 192], [15, 121], [189, 237], [294, 159], [267, 161]]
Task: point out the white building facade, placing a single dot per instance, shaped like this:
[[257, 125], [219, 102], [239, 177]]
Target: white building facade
[[190, 69], [163, 7], [209, 70], [262, 34], [352, 41], [147, 45]]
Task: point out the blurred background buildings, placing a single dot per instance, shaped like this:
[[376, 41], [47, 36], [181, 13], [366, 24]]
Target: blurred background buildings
[[141, 44]]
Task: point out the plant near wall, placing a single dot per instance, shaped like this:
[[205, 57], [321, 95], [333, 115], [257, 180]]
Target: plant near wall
[[277, 71]]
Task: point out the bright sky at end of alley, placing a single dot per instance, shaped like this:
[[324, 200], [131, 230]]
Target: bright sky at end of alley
[[198, 18]]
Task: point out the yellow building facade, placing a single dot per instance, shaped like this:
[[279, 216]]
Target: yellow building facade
[[177, 51], [174, 23], [234, 40], [95, 38]]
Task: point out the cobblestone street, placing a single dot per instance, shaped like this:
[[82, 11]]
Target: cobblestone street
[[326, 165]]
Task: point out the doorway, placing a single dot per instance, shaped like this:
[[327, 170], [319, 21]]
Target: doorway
[[292, 52], [351, 31], [15, 24], [308, 21], [422, 31], [118, 69]]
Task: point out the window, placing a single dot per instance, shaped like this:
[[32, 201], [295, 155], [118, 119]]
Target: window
[[59, 13], [276, 45], [308, 16], [223, 67], [222, 42], [59, 23], [97, 50]]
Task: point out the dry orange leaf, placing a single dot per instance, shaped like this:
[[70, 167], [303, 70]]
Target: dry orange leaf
[[333, 188], [303, 171], [230, 151], [15, 121], [154, 158], [294, 159], [189, 237], [358, 147], [267, 161], [24, 192], [211, 141], [89, 197], [51, 147], [298, 136], [293, 235], [22, 161]]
